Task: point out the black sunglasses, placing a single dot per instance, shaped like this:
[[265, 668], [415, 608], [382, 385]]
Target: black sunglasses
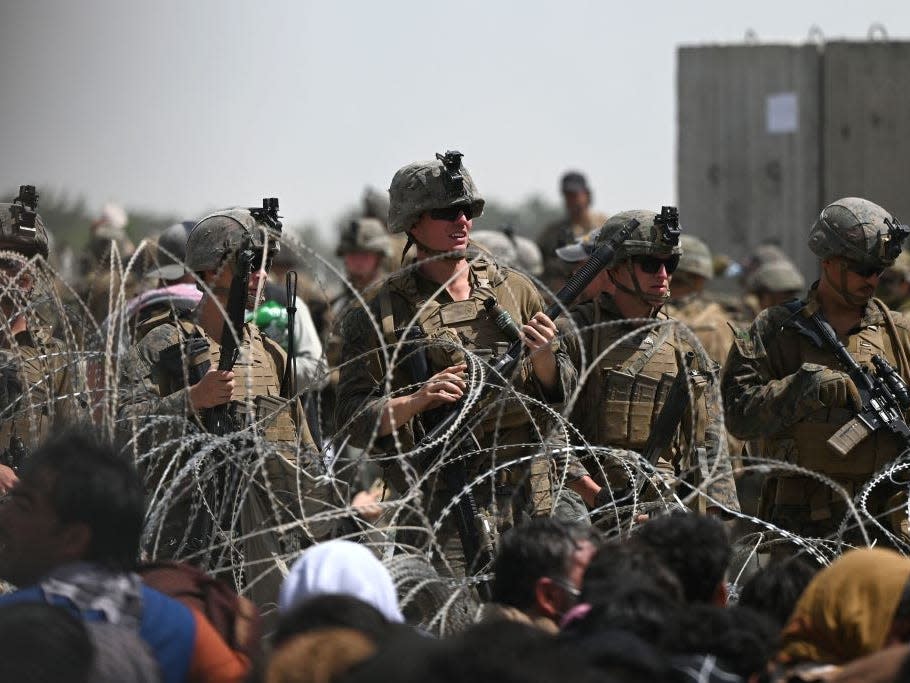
[[864, 271], [451, 213], [652, 264], [257, 260]]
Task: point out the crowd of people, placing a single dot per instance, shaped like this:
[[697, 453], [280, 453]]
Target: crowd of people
[[608, 454]]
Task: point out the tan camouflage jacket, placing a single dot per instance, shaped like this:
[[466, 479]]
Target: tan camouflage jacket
[[766, 395], [153, 387], [52, 390], [624, 376], [708, 320], [362, 386]]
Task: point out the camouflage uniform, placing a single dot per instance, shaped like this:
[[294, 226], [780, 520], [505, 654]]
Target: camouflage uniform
[[451, 331], [625, 391], [780, 386], [706, 318], [40, 375], [364, 235], [271, 452]]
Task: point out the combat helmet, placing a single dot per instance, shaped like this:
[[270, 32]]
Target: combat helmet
[[654, 235], [219, 235], [776, 276], [657, 234], [859, 231], [365, 234], [426, 185], [21, 228], [696, 257]]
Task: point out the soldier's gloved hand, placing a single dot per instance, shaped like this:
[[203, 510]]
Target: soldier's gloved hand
[[832, 388]]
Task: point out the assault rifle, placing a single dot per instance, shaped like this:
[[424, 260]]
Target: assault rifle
[[218, 420], [884, 396], [467, 519]]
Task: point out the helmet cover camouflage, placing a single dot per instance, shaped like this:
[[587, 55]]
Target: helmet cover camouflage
[[365, 234], [859, 231], [220, 235], [696, 257], [649, 238], [426, 185], [776, 276]]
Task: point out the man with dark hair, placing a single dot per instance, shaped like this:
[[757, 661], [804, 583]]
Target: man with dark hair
[[538, 570], [579, 220], [695, 548], [69, 536], [775, 589]]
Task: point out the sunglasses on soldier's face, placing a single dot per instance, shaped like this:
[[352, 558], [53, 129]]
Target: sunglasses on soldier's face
[[451, 213], [257, 261], [652, 264], [864, 271]]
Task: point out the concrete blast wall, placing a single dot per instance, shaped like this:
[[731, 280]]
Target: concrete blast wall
[[769, 134]]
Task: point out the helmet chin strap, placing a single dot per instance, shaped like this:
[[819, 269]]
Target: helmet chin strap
[[430, 251], [841, 287], [653, 301]]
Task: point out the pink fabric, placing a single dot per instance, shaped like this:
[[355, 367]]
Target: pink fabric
[[578, 612]]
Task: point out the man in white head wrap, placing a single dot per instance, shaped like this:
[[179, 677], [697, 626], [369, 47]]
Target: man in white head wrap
[[340, 567]]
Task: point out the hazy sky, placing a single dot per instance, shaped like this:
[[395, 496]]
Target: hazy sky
[[178, 106]]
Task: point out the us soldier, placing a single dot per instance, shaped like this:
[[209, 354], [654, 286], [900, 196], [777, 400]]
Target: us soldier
[[783, 387], [580, 219], [894, 287], [38, 374], [509, 249], [775, 282], [441, 296], [690, 305], [365, 247], [173, 372], [623, 395]]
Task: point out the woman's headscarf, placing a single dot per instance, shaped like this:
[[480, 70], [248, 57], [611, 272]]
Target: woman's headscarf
[[846, 611], [340, 567]]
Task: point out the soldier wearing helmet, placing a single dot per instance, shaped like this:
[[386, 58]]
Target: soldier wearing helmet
[[511, 250], [690, 305], [439, 298], [782, 387], [38, 372], [775, 282], [636, 359], [894, 287], [173, 372]]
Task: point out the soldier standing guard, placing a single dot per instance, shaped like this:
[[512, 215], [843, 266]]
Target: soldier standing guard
[[263, 467], [782, 386], [636, 362], [442, 296], [38, 374]]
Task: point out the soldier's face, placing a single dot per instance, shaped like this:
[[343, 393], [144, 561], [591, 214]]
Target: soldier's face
[[653, 275], [445, 233], [220, 283], [361, 264], [16, 282], [859, 284]]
